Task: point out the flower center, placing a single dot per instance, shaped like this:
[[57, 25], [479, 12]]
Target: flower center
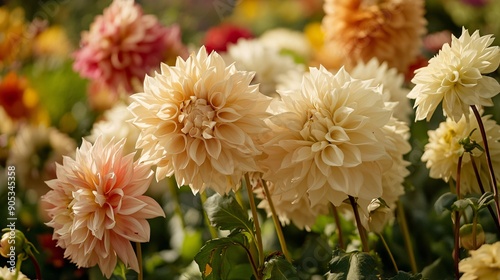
[[197, 118]]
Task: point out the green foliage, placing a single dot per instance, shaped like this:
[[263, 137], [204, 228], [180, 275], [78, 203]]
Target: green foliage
[[217, 260], [352, 265], [445, 202], [226, 214], [278, 268], [406, 276]]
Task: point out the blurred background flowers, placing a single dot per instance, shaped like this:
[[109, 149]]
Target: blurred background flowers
[[68, 67]]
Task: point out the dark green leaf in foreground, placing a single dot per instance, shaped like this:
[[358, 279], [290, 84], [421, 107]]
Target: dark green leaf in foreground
[[406, 276], [217, 258], [352, 265], [278, 268], [445, 202], [225, 213]]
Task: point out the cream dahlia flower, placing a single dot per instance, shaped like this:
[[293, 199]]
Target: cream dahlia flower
[[288, 40], [35, 152], [267, 63], [455, 77], [443, 150], [7, 274], [117, 124], [389, 30], [123, 45], [392, 82], [97, 206], [483, 263], [200, 120], [329, 140]]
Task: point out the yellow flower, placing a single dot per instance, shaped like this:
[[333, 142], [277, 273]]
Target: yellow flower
[[201, 120], [456, 77], [483, 263], [443, 150]]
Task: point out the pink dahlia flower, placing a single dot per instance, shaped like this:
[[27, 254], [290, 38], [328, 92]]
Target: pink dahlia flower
[[123, 45], [97, 206]]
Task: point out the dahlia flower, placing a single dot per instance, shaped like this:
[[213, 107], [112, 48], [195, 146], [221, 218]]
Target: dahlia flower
[[97, 206], [17, 98], [389, 30], [288, 41], [267, 63], [116, 124], [392, 82], [328, 140], [123, 45], [219, 37], [443, 150], [455, 77], [483, 263], [200, 120], [35, 151], [14, 40]]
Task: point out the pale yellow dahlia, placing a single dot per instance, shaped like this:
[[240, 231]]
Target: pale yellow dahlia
[[455, 77], [389, 30], [392, 84], [443, 150], [97, 207], [329, 140], [199, 121], [483, 263]]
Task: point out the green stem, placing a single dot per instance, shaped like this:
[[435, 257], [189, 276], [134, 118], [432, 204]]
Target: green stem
[[139, 259], [255, 217], [406, 235], [174, 192], [276, 221], [211, 229], [389, 252], [456, 255], [362, 232], [480, 183], [474, 230], [335, 213], [488, 159]]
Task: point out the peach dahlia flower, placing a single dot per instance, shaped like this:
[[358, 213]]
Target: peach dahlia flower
[[328, 140], [456, 77], [123, 45], [97, 206], [201, 120], [387, 29]]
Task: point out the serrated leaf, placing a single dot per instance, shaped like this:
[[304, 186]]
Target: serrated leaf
[[213, 259], [278, 268], [406, 276], [352, 265], [445, 202], [226, 214]]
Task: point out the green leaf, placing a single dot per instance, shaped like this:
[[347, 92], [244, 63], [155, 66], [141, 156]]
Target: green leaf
[[226, 214], [191, 244], [352, 265], [445, 202], [406, 276], [278, 268], [463, 203], [216, 258]]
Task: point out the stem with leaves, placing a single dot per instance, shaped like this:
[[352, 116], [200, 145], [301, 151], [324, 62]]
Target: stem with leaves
[[362, 232], [480, 183], [336, 217], [211, 229], [488, 159]]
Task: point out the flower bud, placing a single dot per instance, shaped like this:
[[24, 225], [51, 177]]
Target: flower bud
[[467, 236], [379, 214]]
